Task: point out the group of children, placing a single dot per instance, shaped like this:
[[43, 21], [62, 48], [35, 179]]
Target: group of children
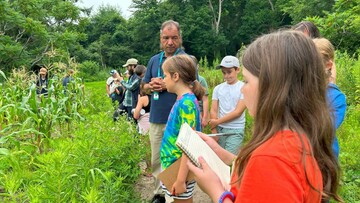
[[289, 156], [289, 89]]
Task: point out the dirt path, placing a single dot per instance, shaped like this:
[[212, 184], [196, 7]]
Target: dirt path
[[145, 185]]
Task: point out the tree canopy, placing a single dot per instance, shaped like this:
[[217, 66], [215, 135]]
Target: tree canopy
[[46, 31]]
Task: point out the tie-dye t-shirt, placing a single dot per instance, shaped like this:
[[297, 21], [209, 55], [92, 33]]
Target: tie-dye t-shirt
[[185, 109]]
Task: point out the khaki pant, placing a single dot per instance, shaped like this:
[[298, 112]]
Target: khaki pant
[[156, 134]]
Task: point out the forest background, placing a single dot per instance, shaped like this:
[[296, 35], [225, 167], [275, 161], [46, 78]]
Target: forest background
[[65, 148], [41, 32]]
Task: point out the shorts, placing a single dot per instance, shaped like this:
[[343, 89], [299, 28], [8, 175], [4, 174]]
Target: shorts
[[190, 186], [231, 143]]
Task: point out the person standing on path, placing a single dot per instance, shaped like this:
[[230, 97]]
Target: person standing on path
[[161, 100], [227, 114], [132, 87]]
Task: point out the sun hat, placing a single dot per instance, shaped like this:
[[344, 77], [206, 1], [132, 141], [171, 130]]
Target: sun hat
[[229, 62], [130, 61], [43, 71], [112, 72]]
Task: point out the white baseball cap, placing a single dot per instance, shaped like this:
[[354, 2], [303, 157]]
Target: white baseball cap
[[112, 72], [229, 62]]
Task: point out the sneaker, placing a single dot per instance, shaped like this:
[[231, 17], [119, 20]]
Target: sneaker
[[158, 199]]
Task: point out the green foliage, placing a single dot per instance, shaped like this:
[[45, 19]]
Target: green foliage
[[348, 135], [91, 71], [29, 29], [348, 80], [203, 63], [257, 23], [348, 77], [33, 31], [84, 156], [31, 116], [94, 159], [108, 41], [341, 25], [300, 9]]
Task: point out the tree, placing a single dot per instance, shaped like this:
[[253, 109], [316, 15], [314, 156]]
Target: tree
[[300, 9], [108, 39], [144, 28], [31, 30], [216, 18], [259, 17], [341, 26]]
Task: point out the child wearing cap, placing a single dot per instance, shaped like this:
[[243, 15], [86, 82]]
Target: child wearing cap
[[227, 108]]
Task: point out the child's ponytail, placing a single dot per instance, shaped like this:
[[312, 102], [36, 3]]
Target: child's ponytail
[[198, 90], [186, 68]]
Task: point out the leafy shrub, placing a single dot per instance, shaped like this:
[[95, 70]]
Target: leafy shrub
[[348, 135], [348, 77], [91, 71]]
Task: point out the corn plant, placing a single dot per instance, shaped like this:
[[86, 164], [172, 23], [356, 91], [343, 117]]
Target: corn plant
[[23, 109]]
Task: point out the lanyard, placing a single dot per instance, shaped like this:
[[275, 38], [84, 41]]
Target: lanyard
[[161, 60]]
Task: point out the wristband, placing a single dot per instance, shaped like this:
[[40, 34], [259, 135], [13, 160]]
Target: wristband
[[226, 194]]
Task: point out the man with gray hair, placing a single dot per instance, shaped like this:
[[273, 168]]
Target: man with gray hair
[[161, 100]]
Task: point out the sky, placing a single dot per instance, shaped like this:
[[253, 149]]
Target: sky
[[123, 5]]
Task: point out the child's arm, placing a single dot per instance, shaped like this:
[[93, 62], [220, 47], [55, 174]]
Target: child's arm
[[214, 114], [138, 107], [240, 108], [180, 183], [205, 118]]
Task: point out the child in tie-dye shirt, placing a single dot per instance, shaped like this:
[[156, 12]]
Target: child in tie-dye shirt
[[180, 78]]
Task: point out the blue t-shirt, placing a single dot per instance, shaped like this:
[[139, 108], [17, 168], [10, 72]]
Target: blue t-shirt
[[337, 104], [160, 108], [185, 110]]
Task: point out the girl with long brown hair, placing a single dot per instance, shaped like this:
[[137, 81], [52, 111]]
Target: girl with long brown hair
[[180, 78], [289, 156]]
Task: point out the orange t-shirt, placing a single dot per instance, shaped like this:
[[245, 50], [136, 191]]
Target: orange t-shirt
[[275, 173]]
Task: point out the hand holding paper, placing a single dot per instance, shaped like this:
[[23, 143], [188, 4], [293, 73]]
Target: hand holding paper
[[194, 147], [207, 179]]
